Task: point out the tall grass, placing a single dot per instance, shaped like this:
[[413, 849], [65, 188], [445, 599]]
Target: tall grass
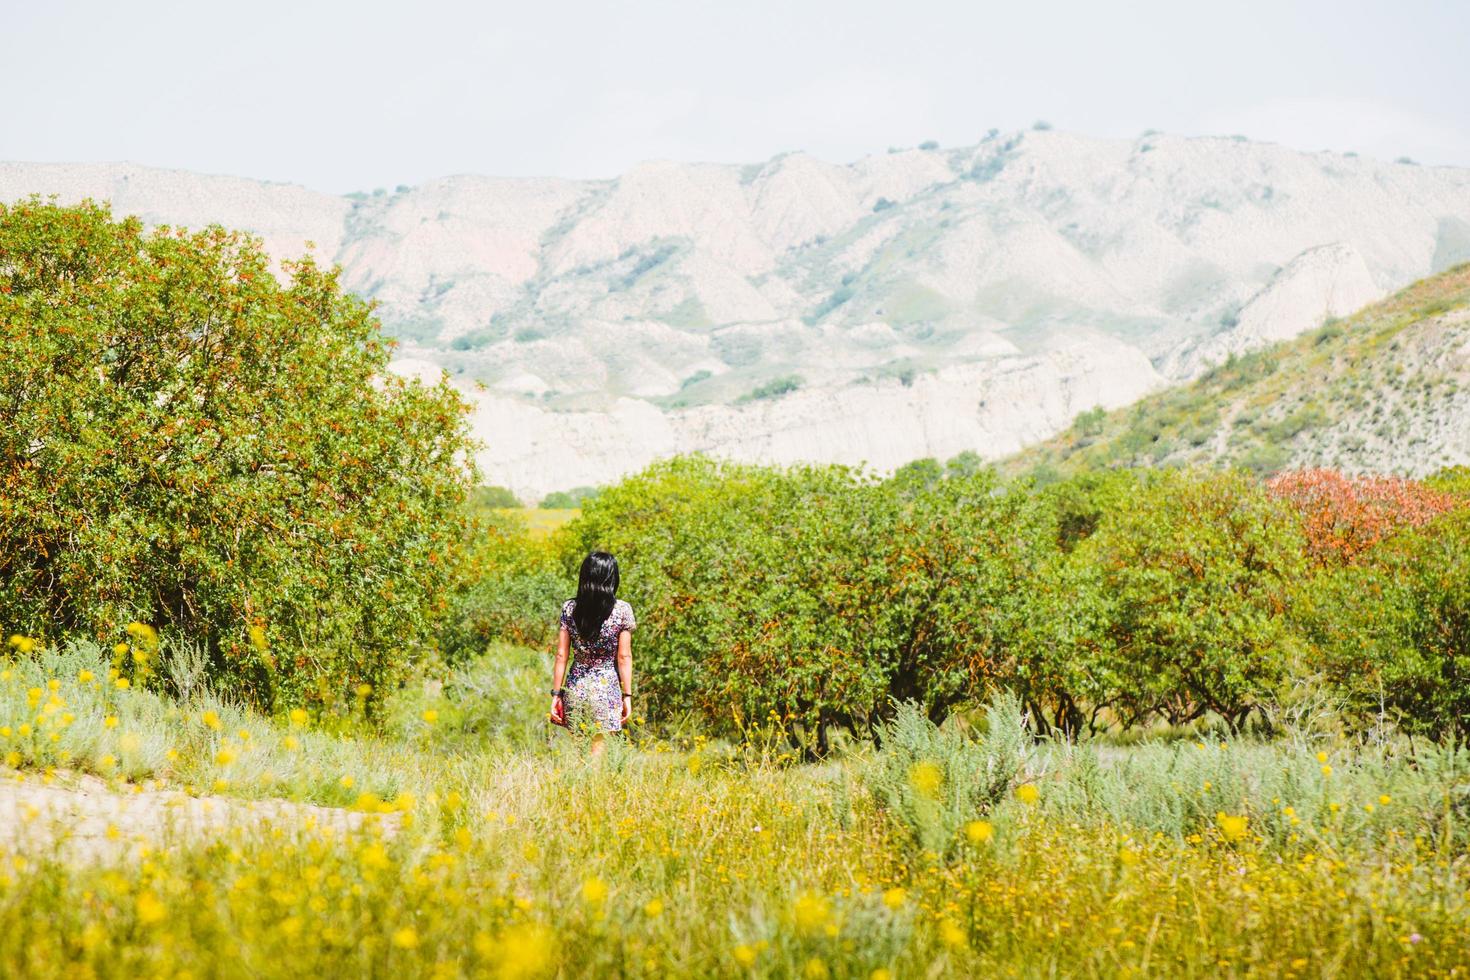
[[925, 856]]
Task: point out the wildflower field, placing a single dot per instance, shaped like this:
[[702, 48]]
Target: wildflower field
[[484, 849]]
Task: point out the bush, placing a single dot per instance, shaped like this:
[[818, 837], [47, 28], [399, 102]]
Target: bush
[[516, 593], [191, 444], [934, 780], [774, 388], [1345, 516], [493, 498], [568, 499], [817, 593], [1189, 585], [1393, 633]]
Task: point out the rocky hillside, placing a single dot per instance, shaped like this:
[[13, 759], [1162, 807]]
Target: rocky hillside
[[918, 303], [1385, 390]]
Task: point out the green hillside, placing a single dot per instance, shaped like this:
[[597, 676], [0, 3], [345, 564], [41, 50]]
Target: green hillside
[[1386, 390]]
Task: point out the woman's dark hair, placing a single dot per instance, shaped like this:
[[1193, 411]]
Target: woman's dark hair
[[597, 588]]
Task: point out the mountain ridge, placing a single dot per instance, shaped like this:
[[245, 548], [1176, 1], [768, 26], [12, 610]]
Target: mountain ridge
[[914, 303]]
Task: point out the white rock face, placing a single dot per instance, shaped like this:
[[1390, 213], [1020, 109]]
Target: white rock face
[[998, 405], [1040, 273], [1328, 281]]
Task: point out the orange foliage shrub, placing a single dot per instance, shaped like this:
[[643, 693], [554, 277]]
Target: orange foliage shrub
[[1343, 516]]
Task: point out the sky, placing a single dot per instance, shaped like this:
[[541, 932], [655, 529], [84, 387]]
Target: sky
[[355, 96]]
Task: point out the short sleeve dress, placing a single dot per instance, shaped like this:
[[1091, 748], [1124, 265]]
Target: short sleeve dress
[[594, 695]]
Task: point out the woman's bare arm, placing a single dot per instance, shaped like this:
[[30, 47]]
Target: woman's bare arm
[[563, 651], [625, 672], [559, 668]]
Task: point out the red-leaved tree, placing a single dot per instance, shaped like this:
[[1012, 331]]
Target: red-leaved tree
[[1343, 516]]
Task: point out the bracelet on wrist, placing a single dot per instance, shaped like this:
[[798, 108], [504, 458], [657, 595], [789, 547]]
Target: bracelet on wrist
[[627, 694], [557, 692]]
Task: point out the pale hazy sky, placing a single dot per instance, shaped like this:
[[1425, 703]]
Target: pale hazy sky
[[353, 96]]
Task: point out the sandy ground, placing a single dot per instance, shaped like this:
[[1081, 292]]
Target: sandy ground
[[76, 816]]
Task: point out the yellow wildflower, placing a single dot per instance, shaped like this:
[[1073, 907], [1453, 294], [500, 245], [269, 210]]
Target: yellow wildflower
[[925, 777], [811, 912], [979, 830], [594, 891], [1233, 828], [150, 910]]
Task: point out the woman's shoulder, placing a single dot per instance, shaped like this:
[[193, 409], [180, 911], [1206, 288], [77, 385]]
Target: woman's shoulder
[[624, 613], [568, 606]]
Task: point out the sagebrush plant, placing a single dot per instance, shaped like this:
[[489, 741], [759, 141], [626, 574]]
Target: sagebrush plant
[[188, 442], [936, 779]]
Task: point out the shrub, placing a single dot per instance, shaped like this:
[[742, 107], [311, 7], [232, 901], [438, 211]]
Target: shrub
[[817, 593], [1393, 633], [1345, 516], [516, 592], [934, 780], [1190, 587], [493, 498], [774, 388], [567, 499], [190, 443]]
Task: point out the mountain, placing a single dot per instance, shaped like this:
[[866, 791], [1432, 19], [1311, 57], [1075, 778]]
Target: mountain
[[1386, 390], [917, 303]]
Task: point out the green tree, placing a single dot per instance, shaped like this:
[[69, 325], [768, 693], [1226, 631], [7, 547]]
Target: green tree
[[817, 594], [1392, 633], [1191, 582], [188, 442]]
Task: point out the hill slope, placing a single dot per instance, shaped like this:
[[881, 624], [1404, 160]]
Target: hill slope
[[1385, 390]]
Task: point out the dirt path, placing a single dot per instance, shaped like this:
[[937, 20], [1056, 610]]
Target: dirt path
[[73, 815]]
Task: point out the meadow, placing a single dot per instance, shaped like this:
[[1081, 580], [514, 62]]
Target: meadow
[[968, 850]]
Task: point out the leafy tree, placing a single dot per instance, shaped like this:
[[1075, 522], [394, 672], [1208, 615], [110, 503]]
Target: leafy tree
[[1192, 580], [1392, 631], [493, 498], [1080, 503], [1345, 516], [817, 593], [187, 442]]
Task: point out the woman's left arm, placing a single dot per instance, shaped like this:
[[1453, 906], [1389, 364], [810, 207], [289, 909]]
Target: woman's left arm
[[625, 672]]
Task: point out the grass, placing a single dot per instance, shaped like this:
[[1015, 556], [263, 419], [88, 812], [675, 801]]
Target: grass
[[945, 853]]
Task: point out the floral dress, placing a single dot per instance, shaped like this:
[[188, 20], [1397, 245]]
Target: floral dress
[[594, 695]]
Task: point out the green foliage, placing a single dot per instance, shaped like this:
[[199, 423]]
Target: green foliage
[[187, 442], [517, 589], [567, 499], [1190, 583], [1393, 633], [934, 779], [817, 593], [774, 388], [492, 498]]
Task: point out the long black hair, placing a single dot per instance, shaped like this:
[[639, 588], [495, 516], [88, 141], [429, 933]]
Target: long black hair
[[597, 589]]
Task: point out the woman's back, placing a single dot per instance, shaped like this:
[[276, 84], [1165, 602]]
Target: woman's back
[[604, 645]]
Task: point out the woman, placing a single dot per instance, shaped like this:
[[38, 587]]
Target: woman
[[598, 697]]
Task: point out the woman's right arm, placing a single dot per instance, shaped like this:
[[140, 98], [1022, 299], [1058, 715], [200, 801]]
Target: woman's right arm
[[559, 671]]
